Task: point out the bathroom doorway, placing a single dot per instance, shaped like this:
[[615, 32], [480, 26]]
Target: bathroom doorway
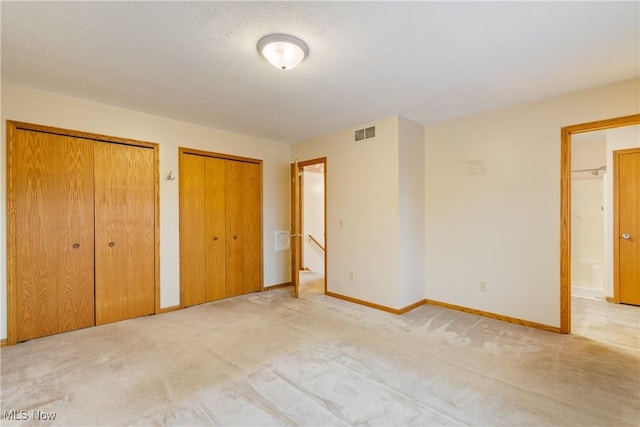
[[590, 239]]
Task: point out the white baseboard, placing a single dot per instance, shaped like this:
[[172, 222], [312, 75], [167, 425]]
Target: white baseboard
[[590, 293]]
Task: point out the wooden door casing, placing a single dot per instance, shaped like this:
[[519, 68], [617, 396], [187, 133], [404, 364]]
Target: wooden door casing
[[125, 227], [627, 221], [52, 193], [296, 253]]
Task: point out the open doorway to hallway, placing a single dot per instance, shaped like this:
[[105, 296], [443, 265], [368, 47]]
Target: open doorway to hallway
[[312, 224], [309, 256]]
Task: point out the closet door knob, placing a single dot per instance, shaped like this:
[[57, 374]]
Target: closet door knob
[[112, 244], [235, 237], [76, 245], [215, 238]]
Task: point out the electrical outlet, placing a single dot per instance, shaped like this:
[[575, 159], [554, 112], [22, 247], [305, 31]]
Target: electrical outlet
[[483, 286], [352, 276]]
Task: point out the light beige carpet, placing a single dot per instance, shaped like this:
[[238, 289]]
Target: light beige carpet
[[268, 359]]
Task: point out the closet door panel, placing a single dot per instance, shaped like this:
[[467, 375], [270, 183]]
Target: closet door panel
[[235, 254], [141, 230], [125, 227], [216, 233], [192, 224], [251, 218], [76, 306], [54, 233], [243, 228], [220, 232]]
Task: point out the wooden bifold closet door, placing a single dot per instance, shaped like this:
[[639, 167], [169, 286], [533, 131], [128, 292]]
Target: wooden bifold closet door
[[82, 230], [244, 228], [124, 206], [52, 177], [220, 226], [202, 229]]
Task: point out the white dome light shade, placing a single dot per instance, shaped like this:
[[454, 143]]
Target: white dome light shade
[[283, 51]]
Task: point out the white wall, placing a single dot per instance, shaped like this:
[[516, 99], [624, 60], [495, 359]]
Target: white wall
[[617, 139], [493, 202], [313, 220], [412, 222], [362, 195], [28, 105], [588, 151]]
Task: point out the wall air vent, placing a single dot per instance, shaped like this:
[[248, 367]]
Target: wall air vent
[[366, 133], [370, 132]]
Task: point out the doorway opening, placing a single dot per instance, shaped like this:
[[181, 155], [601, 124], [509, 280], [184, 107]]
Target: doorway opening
[[308, 225], [591, 209]]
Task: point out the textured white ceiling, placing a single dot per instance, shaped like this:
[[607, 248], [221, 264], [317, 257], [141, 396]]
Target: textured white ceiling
[[427, 61]]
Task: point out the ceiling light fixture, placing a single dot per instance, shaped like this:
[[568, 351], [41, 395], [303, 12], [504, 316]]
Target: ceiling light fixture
[[282, 50]]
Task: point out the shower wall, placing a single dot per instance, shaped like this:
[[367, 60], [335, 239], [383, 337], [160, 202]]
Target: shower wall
[[588, 207], [587, 234]]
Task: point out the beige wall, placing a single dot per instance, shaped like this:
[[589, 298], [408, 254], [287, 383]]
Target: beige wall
[[411, 220], [362, 195], [28, 105], [375, 189], [493, 202], [491, 197]]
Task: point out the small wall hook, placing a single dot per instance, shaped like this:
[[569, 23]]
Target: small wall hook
[[170, 177]]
